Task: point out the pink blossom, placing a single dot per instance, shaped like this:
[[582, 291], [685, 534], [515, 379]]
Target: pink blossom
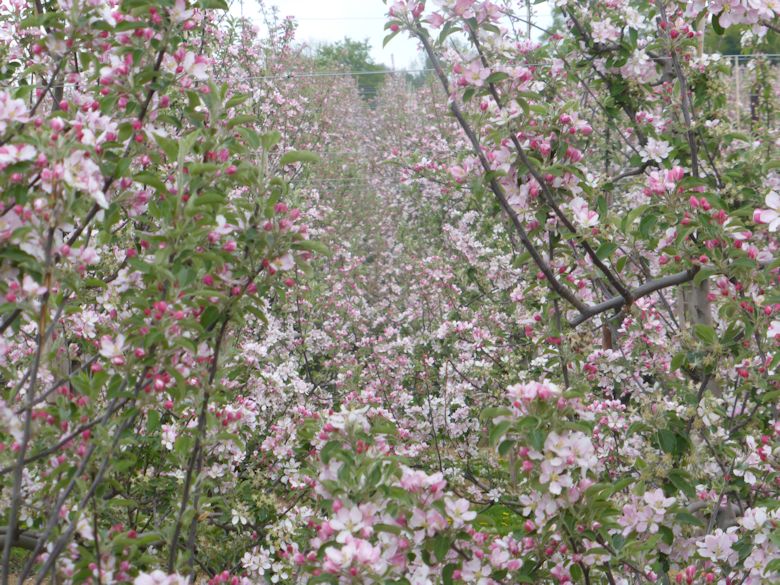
[[81, 172], [284, 262], [195, 66], [113, 349], [458, 511], [656, 150], [770, 216], [435, 19], [12, 111], [717, 546], [584, 216]]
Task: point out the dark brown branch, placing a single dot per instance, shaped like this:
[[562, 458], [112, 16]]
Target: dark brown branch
[[640, 135], [23, 540], [633, 172], [110, 180], [548, 195], [9, 320], [70, 436], [644, 290], [684, 100], [497, 189], [196, 461], [62, 541], [18, 470]]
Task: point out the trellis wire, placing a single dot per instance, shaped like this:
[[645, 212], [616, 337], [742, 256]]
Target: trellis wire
[[309, 75]]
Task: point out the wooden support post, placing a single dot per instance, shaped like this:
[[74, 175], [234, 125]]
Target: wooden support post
[[738, 90]]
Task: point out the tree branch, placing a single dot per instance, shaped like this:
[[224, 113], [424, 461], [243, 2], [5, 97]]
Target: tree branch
[[641, 291], [497, 189]]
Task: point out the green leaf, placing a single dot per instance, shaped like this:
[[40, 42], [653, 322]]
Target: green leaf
[[702, 275], [449, 28], [667, 536], [646, 224], [250, 137], [329, 451], [601, 204], [678, 360], [619, 485], [441, 546], [505, 447], [124, 464], [772, 566], [636, 427], [202, 168], [213, 4], [770, 397], [498, 431], [270, 140], [169, 146], [389, 38], [633, 215], [312, 246], [236, 100], [706, 333], [296, 156], [716, 26], [447, 573], [324, 578], [606, 250], [667, 440], [687, 518], [210, 198], [242, 120], [152, 180], [489, 414], [537, 438], [153, 422], [123, 502], [678, 479], [528, 423], [209, 317], [497, 77], [186, 144]]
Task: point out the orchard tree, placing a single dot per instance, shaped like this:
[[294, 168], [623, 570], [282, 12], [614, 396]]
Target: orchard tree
[[145, 229], [353, 56], [543, 348]]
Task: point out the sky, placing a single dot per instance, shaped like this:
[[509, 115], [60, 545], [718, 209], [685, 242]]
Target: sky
[[332, 20]]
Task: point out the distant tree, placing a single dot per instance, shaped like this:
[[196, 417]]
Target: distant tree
[[729, 42], [353, 56]]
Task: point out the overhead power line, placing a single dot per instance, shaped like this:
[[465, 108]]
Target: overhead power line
[[339, 73], [293, 75], [774, 57], [314, 18]]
